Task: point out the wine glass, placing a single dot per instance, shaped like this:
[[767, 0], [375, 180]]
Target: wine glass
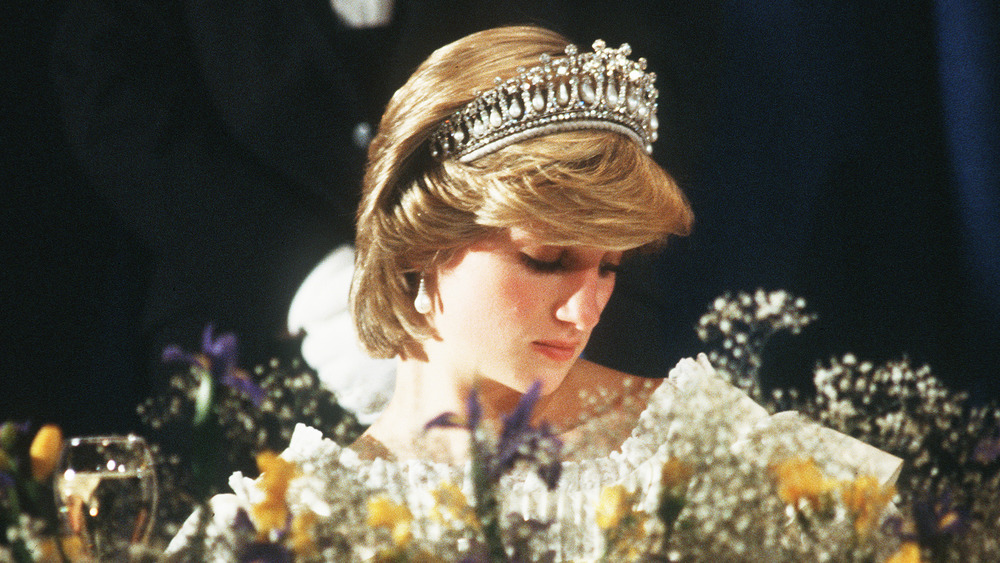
[[105, 489]]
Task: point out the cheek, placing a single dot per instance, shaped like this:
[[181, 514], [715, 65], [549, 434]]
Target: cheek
[[517, 295], [487, 298]]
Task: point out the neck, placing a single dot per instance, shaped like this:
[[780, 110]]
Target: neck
[[425, 390]]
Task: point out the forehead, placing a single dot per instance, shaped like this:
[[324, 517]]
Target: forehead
[[519, 237]]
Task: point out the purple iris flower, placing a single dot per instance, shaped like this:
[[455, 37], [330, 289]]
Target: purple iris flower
[[242, 522], [519, 440], [453, 420], [219, 356], [517, 430], [475, 409]]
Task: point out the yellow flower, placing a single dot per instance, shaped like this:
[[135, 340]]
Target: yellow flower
[[865, 498], [800, 481], [450, 497], [276, 472], [623, 525], [384, 513], [269, 516], [45, 450], [909, 552], [614, 503], [675, 474], [303, 543]]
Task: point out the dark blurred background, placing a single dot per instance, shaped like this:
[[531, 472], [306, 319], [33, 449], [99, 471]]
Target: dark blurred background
[[169, 164]]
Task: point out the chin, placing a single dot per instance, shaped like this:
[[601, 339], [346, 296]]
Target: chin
[[521, 379]]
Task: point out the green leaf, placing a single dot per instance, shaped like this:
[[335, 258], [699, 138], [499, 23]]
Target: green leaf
[[204, 397]]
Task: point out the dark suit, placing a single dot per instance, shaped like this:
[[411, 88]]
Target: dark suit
[[213, 162], [226, 141]]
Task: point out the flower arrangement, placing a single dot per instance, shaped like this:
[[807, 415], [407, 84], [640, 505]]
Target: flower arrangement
[[710, 502], [519, 441], [215, 418], [949, 491], [947, 497], [713, 491]]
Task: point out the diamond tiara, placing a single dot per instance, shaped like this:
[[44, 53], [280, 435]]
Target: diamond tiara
[[600, 90]]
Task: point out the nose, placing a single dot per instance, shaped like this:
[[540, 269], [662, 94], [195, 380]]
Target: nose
[[588, 293]]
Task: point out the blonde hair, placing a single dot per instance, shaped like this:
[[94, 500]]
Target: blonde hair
[[588, 187]]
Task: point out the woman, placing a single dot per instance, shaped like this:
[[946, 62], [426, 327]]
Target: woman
[[492, 224], [509, 179]]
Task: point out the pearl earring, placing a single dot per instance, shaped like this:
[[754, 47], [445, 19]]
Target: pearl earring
[[422, 303]]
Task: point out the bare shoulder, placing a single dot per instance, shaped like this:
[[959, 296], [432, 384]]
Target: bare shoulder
[[596, 407], [586, 375]]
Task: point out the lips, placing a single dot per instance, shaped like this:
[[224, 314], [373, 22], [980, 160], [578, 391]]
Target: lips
[[558, 350]]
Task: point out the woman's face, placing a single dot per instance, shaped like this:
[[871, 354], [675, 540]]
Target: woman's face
[[514, 310]]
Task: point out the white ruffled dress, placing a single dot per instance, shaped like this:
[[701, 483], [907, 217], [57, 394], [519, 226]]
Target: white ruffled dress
[[674, 424]]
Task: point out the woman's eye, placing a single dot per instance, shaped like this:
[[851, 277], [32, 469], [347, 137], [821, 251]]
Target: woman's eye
[[542, 266], [610, 269], [563, 263]]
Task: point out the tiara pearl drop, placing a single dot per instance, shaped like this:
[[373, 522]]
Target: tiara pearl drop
[[601, 90]]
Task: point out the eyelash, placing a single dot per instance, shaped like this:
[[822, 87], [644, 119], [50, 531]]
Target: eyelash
[[544, 267]]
